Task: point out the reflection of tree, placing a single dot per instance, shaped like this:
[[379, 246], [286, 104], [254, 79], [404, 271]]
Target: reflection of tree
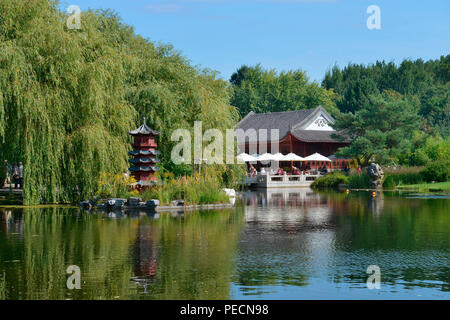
[[192, 255], [407, 238], [55, 238]]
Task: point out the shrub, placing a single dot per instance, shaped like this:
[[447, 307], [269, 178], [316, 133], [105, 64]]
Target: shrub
[[438, 171], [331, 180]]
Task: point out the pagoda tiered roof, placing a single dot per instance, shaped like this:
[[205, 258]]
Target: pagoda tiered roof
[[144, 160], [143, 130], [144, 152], [144, 168]]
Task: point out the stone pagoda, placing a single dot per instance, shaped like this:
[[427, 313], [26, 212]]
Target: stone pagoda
[[143, 163]]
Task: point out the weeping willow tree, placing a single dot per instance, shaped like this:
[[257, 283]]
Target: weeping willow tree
[[69, 97]]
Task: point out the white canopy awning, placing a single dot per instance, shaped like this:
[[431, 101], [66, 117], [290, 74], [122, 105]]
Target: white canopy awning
[[278, 156], [267, 157], [292, 157], [316, 157], [246, 157]]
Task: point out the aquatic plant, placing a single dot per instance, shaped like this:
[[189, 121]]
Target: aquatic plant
[[331, 180], [115, 185], [361, 181]]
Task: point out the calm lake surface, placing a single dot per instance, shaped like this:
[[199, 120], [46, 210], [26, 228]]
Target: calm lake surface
[[290, 244]]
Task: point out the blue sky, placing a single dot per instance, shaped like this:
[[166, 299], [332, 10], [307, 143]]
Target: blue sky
[[312, 35]]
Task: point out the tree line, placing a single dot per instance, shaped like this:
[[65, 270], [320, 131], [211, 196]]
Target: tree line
[[393, 114]]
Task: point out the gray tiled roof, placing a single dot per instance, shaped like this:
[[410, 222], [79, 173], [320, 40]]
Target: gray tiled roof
[[143, 152], [315, 135], [144, 169], [288, 122], [284, 121], [144, 160]]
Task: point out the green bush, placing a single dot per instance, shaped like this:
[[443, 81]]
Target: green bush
[[331, 180], [356, 181], [438, 171]]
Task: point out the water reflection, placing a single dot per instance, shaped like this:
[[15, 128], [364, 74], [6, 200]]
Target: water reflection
[[276, 244], [300, 244], [122, 255]]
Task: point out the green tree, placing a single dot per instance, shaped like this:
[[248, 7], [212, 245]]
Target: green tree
[[381, 129], [427, 81], [69, 97], [261, 90]]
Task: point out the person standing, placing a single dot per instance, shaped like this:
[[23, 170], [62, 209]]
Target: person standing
[[15, 175], [21, 175], [6, 174]]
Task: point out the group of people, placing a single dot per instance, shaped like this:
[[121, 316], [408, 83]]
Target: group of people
[[13, 174], [323, 170], [252, 172]]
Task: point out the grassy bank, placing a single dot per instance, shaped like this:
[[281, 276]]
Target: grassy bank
[[434, 176], [427, 187]]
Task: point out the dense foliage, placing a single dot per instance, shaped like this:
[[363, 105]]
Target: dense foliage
[[438, 171], [260, 90], [69, 97], [427, 82], [380, 130], [418, 119]]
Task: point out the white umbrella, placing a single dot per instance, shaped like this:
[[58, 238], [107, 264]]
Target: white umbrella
[[316, 157], [292, 157], [278, 156], [246, 157], [266, 157]]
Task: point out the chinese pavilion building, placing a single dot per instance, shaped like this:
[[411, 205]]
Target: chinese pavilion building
[[303, 132], [143, 163]]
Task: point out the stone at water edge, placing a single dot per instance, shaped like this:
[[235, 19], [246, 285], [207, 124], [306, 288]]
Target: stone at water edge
[[376, 175], [85, 205], [134, 201], [152, 203], [177, 203], [116, 202]]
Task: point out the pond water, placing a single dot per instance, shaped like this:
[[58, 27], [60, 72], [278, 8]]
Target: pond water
[[283, 244]]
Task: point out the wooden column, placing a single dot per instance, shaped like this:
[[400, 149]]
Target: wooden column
[[290, 148]]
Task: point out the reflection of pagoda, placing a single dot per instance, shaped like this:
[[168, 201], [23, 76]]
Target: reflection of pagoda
[[146, 253], [144, 155]]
